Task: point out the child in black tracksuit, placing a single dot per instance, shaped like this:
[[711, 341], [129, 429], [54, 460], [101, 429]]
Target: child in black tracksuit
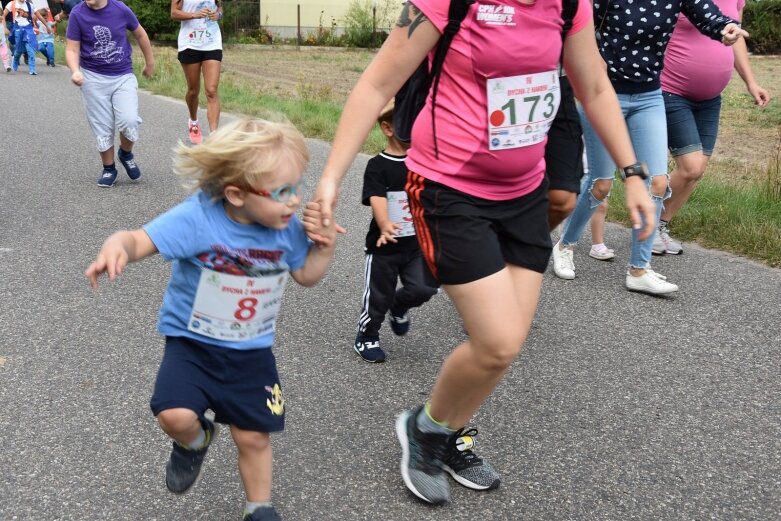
[[392, 250]]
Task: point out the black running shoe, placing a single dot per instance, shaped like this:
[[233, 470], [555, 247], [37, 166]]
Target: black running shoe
[[263, 514], [184, 466], [466, 467]]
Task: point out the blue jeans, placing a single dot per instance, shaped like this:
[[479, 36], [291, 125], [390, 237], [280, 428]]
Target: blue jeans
[[47, 49], [25, 41], [645, 117]]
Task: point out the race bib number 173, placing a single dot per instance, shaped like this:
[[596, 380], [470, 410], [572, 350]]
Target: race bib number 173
[[521, 109]]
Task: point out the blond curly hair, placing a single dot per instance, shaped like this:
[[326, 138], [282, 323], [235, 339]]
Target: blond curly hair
[[240, 153]]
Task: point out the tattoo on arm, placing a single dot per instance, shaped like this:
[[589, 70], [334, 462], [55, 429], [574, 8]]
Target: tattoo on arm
[[410, 17]]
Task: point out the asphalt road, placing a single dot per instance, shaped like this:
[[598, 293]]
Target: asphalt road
[[621, 406]]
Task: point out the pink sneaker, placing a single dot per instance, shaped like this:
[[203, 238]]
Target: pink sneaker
[[194, 130]]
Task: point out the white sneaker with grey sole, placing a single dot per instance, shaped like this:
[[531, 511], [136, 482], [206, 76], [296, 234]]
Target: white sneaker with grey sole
[[664, 244]]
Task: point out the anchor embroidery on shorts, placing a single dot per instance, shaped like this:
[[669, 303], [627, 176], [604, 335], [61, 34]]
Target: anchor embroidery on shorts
[[276, 403]]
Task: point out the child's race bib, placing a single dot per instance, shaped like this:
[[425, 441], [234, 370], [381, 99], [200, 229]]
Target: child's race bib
[[236, 308], [398, 212]]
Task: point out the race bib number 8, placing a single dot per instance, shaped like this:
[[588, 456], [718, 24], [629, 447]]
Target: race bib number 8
[[521, 109], [236, 308]]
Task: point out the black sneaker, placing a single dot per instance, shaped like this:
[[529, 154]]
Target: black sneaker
[[184, 466], [263, 514], [129, 162], [466, 467], [107, 178], [368, 347], [421, 459], [399, 323]]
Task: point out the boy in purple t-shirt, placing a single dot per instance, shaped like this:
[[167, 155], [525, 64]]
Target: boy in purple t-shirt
[[99, 57]]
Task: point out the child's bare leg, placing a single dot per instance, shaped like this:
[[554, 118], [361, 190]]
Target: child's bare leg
[[180, 424], [598, 224], [107, 156], [125, 144], [255, 463]]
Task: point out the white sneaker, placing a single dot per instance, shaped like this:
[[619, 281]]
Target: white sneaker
[[649, 282], [657, 275], [604, 253], [563, 263]]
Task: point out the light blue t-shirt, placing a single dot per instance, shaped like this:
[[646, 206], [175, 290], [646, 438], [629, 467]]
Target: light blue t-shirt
[[200, 239], [43, 36]]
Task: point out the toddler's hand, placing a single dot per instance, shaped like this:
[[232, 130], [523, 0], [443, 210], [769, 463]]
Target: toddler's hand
[[388, 234], [323, 236], [111, 259]]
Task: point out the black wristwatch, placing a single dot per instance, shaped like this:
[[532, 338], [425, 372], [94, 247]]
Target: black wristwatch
[[638, 169]]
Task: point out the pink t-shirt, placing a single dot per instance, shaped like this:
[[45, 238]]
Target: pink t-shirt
[[695, 66], [498, 39]]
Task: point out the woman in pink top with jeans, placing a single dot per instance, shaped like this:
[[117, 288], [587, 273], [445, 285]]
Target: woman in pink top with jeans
[[477, 192], [691, 87]]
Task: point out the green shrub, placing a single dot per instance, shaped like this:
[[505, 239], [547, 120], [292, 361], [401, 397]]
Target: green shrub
[[155, 17], [367, 25], [762, 20], [324, 36]]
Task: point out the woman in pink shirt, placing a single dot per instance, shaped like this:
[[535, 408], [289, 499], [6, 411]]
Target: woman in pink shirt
[[691, 87], [477, 192]]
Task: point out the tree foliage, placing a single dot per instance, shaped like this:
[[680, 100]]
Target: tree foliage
[[155, 16], [762, 20]]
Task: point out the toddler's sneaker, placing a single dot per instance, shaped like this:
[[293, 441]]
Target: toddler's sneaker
[[184, 466], [263, 514], [421, 459], [368, 348], [664, 244], [129, 162], [107, 178], [194, 131], [466, 467], [601, 252], [563, 263], [649, 282], [399, 323]]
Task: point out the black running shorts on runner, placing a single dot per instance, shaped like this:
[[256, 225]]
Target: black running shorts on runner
[[188, 56], [564, 150], [465, 238], [241, 387]]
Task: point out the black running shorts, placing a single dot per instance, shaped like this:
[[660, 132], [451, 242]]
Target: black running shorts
[[188, 56], [564, 150], [465, 238]]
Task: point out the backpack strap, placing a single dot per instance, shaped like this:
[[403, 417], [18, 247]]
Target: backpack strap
[[456, 14], [568, 10]]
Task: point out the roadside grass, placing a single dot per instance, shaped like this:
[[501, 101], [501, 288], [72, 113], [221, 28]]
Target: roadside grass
[[313, 109], [745, 221], [736, 207]]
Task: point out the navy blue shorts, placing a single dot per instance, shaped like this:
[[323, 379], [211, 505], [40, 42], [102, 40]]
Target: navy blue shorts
[[465, 238], [241, 387], [691, 125]]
